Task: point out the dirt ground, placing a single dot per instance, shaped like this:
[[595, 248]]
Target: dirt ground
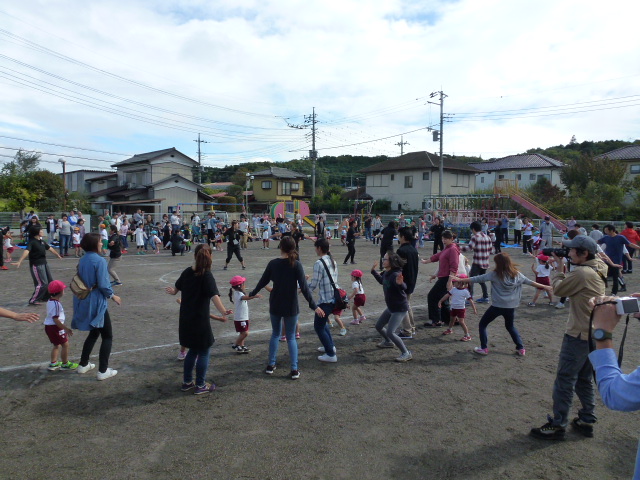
[[448, 414]]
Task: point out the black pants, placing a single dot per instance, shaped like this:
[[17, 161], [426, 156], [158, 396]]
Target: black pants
[[437, 244], [614, 273], [438, 291], [517, 236], [477, 270], [505, 235], [384, 249], [526, 244], [235, 249], [105, 347], [627, 265], [351, 252]]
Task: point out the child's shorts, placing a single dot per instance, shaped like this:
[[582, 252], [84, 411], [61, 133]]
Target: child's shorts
[[242, 326], [543, 280], [458, 312], [105, 244], [10, 249], [265, 235], [359, 300], [56, 336], [76, 245], [337, 312]]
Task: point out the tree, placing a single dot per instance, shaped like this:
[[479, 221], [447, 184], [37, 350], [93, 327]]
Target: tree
[[49, 189], [15, 182]]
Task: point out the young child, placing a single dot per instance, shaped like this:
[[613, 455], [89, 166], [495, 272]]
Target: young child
[[266, 234], [55, 329], [218, 239], [105, 239], [506, 292], [238, 296], [358, 296], [141, 236], [155, 241], [343, 235], [76, 240], [8, 247], [459, 294], [536, 241], [337, 313], [542, 269], [187, 238], [327, 234]]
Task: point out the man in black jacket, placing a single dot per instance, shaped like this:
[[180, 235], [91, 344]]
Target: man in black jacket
[[410, 272]]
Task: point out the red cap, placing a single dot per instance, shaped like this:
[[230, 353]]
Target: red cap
[[543, 257], [237, 280], [56, 287], [356, 273]]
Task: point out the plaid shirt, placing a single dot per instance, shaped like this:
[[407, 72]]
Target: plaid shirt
[[321, 279], [482, 247]]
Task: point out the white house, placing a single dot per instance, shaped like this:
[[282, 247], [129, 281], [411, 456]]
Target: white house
[[525, 168], [407, 179], [629, 155]]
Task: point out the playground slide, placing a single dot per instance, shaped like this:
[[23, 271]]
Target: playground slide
[[310, 221], [538, 210]]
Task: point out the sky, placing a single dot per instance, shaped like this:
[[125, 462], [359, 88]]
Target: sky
[[96, 82]]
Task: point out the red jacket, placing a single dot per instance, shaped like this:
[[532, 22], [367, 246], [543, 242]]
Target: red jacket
[[449, 259], [631, 235]]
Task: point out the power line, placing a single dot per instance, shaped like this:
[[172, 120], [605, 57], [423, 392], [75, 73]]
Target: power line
[[65, 146]]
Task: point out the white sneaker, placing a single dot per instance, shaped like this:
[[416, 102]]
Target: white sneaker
[[328, 359], [405, 357], [559, 305], [343, 332], [108, 374], [86, 368], [321, 349]]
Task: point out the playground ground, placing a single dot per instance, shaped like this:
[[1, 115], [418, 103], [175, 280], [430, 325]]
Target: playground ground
[[447, 414]]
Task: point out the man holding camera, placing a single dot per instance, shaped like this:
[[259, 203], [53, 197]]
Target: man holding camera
[[618, 391], [585, 280]]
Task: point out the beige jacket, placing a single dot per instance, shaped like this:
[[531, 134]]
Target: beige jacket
[[580, 284]]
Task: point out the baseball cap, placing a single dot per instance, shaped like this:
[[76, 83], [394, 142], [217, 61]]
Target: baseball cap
[[356, 273], [462, 275], [237, 280], [56, 287], [582, 241], [543, 257]]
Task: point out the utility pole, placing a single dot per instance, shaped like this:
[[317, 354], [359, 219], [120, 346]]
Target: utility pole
[[199, 158], [64, 178], [310, 121], [441, 103], [401, 144]]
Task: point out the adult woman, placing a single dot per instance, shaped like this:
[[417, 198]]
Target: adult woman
[[198, 287], [37, 252], [377, 228], [124, 230], [321, 269], [351, 243], [448, 265], [527, 229], [91, 314], [233, 237], [437, 230], [388, 234], [287, 274], [64, 235], [115, 253]]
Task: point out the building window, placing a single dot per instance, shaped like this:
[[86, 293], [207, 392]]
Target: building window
[[295, 187], [462, 180], [500, 177], [532, 176], [285, 188], [519, 176], [635, 169], [481, 179], [267, 185], [408, 181], [425, 175], [546, 175], [393, 177]]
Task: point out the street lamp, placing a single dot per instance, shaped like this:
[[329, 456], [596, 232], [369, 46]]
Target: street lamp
[[64, 179], [246, 193]]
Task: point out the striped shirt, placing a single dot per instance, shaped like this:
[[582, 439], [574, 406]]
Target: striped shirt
[[321, 279], [482, 246]]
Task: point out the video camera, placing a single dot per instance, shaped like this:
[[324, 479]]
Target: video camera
[[561, 252]]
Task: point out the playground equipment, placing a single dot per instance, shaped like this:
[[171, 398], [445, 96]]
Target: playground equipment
[[289, 208], [510, 188]]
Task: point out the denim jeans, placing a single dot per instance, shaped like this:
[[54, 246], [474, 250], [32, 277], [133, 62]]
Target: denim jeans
[[321, 327], [509, 316], [125, 243], [65, 242], [392, 321], [199, 358], [574, 372], [367, 233], [475, 271], [290, 331]]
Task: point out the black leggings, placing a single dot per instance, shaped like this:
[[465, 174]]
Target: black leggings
[[231, 251], [351, 254], [437, 244], [105, 347]]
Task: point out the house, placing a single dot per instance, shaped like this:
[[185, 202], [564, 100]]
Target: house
[[629, 155], [525, 169], [276, 184], [407, 179], [82, 180], [156, 182]]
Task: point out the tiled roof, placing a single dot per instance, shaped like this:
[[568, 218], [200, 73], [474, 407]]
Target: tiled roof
[[119, 191], [102, 177], [278, 172], [417, 161], [525, 160], [630, 152], [142, 157]]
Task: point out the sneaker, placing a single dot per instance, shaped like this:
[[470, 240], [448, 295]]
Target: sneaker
[[465, 338], [297, 335], [362, 319], [429, 324], [448, 331], [270, 369], [187, 386], [117, 284], [108, 374], [531, 304], [343, 332], [322, 350], [283, 338], [548, 431], [206, 388], [405, 357], [483, 300], [53, 366], [244, 349], [583, 427], [69, 366], [236, 348], [355, 322], [4, 268], [404, 334], [551, 304], [326, 358], [521, 351], [86, 368], [295, 374], [225, 267], [182, 355], [481, 351], [559, 305], [384, 344]]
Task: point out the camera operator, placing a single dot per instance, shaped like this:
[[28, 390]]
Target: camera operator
[[585, 280], [618, 391]]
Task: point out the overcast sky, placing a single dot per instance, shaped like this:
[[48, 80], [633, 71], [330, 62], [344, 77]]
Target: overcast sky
[[137, 76]]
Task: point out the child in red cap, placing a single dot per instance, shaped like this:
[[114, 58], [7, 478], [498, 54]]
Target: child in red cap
[[358, 296], [56, 331], [542, 269], [239, 298]]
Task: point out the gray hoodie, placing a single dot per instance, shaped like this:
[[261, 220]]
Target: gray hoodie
[[505, 293]]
